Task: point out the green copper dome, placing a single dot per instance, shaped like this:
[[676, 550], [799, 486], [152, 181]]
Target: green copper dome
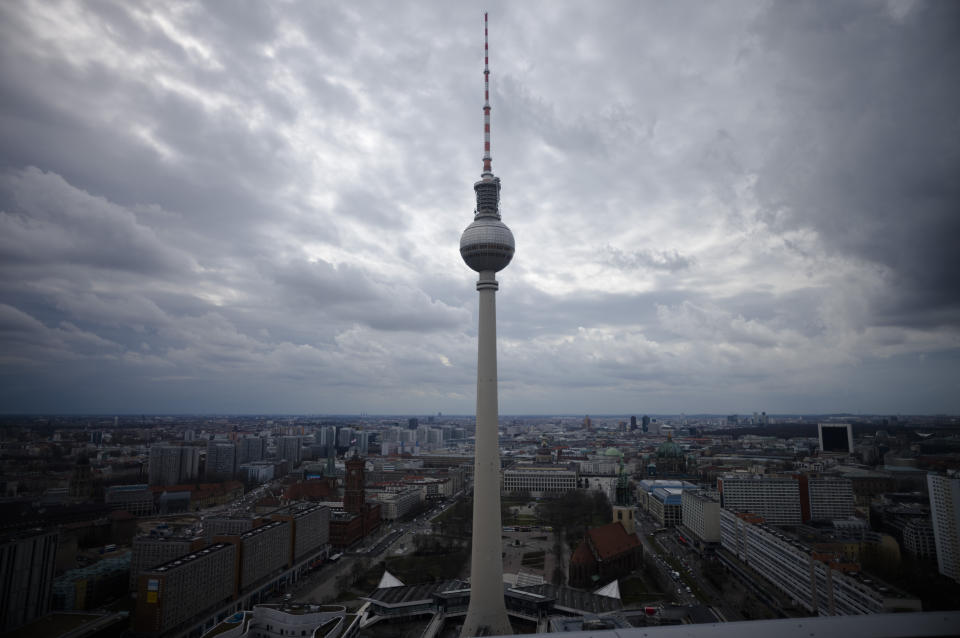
[[668, 449]]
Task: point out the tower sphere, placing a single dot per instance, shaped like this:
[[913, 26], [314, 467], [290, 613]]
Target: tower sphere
[[487, 244]]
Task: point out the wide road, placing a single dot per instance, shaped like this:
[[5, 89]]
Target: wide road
[[321, 586]]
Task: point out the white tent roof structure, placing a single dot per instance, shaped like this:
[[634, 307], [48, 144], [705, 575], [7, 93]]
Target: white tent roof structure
[[611, 590], [389, 580]]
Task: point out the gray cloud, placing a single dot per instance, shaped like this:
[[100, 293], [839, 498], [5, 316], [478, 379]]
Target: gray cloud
[[730, 208]]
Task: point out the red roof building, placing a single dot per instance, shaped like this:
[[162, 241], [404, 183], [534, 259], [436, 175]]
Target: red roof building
[[607, 552]]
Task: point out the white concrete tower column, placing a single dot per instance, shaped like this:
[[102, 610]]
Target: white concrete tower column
[[487, 612]]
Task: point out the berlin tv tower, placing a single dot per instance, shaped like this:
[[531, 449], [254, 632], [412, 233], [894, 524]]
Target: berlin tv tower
[[487, 246]]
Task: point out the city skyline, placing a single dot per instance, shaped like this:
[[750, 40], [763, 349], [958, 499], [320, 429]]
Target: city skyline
[[723, 209]]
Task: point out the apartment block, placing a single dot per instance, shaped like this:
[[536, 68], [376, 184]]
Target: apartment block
[[214, 526], [776, 499], [827, 497], [310, 528], [173, 465], [919, 539], [821, 582], [27, 564], [172, 594], [700, 515], [151, 551], [945, 515], [262, 551]]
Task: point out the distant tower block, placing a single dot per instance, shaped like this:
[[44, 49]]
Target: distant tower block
[[487, 247]]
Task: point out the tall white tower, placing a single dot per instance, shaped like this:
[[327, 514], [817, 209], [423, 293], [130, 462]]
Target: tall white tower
[[487, 246]]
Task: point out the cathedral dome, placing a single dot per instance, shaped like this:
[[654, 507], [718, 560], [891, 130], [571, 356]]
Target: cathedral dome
[[669, 450]]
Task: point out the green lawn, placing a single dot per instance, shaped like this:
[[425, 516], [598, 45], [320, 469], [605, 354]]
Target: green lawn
[[633, 591]]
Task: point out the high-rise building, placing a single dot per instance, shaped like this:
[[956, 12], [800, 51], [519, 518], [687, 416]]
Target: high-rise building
[[633, 423], [345, 437], [289, 449], [945, 515], [151, 551], [645, 423], [311, 528], [171, 594], [221, 461], [487, 246], [827, 497], [363, 443], [173, 465], [27, 564], [700, 514], [249, 449], [776, 499], [788, 500]]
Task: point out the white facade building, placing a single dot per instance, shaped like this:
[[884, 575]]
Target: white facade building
[[700, 514], [776, 499], [539, 481], [830, 497], [945, 515], [820, 583], [398, 503]]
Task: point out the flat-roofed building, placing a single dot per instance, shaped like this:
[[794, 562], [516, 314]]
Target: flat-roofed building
[[263, 551], [229, 525], [397, 503], [136, 499], [820, 581], [775, 498], [919, 539], [150, 551], [700, 516], [829, 497], [27, 564], [311, 528], [945, 515], [661, 498], [171, 594], [539, 480]]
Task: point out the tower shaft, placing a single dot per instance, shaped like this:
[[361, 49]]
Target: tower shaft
[[487, 613]]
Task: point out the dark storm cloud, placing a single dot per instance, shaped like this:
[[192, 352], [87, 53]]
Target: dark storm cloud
[[44, 220], [871, 152], [256, 207]]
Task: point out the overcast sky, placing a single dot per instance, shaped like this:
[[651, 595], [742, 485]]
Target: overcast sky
[[256, 207]]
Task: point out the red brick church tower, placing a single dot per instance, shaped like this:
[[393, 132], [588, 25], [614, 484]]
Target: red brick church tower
[[353, 495]]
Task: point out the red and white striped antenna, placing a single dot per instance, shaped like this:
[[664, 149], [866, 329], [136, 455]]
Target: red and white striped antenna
[[487, 170]]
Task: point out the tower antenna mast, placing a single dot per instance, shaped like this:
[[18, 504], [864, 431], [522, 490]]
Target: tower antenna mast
[[487, 170]]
